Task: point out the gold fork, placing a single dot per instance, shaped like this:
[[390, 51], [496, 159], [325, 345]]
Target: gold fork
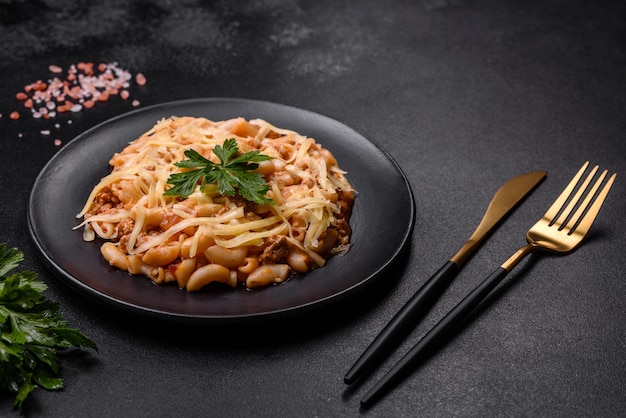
[[560, 230]]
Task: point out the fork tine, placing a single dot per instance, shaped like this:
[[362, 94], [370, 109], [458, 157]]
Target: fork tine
[[575, 219], [585, 223], [574, 201], [560, 201]]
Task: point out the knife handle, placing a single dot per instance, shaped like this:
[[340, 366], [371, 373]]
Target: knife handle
[[435, 336], [403, 322]]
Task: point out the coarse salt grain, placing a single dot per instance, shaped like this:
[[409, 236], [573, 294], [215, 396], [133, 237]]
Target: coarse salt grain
[[140, 79]]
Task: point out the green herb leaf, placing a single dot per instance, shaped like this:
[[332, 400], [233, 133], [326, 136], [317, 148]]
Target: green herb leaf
[[234, 174], [31, 332]]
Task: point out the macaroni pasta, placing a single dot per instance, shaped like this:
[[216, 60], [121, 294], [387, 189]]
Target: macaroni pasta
[[207, 237]]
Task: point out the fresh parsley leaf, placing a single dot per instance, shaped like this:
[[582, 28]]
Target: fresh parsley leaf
[[9, 260], [233, 174], [31, 332], [184, 183]]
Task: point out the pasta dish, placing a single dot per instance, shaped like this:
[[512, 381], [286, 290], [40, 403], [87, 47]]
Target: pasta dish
[[209, 236]]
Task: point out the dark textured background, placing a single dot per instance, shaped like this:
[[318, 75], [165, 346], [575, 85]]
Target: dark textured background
[[463, 94]]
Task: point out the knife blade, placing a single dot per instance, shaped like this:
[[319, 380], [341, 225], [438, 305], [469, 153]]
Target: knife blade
[[503, 202]]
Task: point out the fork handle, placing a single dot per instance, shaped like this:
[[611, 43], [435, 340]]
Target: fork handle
[[406, 318], [434, 336]]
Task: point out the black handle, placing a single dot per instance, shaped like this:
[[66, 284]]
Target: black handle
[[434, 336], [403, 321]]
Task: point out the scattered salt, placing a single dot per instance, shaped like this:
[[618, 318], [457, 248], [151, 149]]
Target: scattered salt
[[81, 86]]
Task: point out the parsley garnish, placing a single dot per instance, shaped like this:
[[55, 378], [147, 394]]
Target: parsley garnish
[[232, 173], [31, 332]]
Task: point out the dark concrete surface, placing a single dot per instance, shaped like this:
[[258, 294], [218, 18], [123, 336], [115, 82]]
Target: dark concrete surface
[[462, 94]]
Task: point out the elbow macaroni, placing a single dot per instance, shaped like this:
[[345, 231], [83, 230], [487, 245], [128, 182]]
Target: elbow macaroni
[[207, 237]]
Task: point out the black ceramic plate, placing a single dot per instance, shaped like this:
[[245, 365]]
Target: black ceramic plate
[[382, 219]]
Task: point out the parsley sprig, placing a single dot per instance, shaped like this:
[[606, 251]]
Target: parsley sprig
[[31, 332], [234, 173]]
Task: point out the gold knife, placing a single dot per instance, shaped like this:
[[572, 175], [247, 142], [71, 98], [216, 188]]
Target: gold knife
[[505, 199]]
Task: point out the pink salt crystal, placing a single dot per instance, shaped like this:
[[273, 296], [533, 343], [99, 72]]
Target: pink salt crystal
[[140, 79]]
